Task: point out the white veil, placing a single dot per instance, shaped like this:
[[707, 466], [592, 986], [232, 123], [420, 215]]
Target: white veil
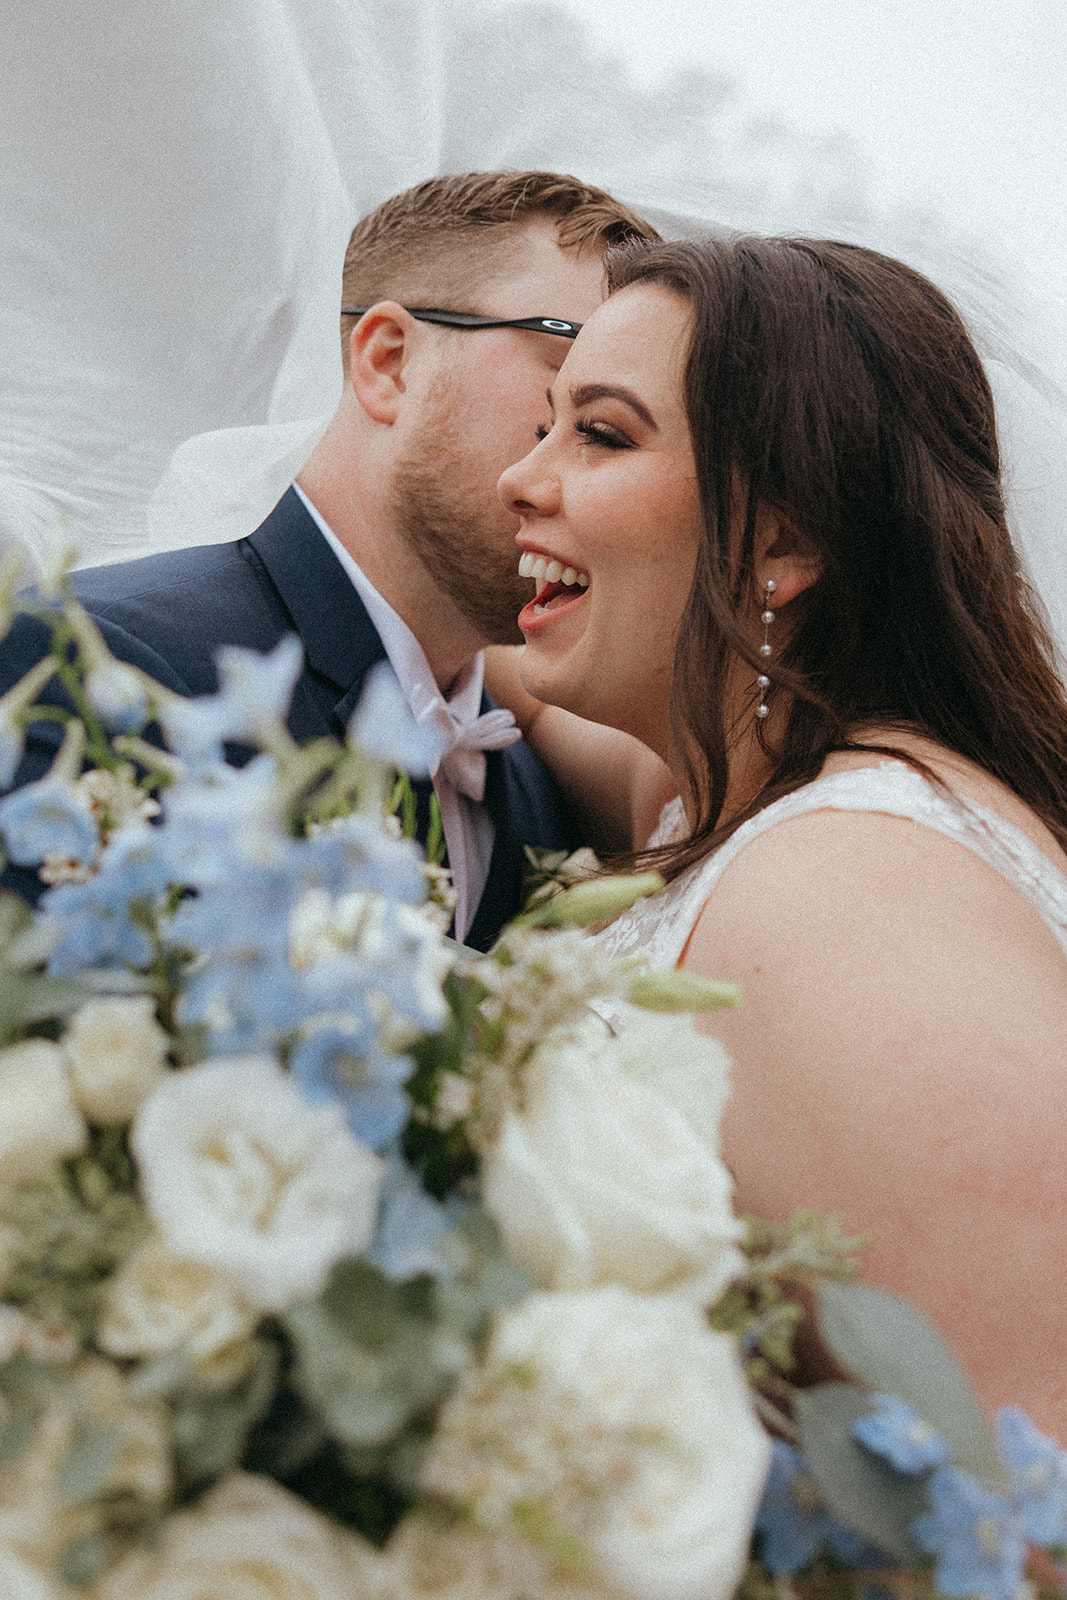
[[179, 182]]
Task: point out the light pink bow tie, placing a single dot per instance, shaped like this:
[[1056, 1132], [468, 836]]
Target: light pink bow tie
[[463, 745]]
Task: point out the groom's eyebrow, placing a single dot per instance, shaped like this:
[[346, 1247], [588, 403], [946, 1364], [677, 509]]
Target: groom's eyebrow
[[589, 392]]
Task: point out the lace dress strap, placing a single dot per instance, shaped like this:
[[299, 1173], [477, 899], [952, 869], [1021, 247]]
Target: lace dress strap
[[660, 927]]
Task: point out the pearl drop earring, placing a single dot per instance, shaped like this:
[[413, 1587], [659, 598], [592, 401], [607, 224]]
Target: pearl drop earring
[[766, 649]]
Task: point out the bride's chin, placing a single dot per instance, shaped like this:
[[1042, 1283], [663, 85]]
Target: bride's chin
[[552, 688]]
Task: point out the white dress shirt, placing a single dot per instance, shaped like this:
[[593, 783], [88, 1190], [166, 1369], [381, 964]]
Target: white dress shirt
[[468, 827]]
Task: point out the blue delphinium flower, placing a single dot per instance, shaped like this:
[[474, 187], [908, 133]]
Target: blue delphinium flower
[[898, 1434], [50, 816], [412, 1229], [385, 730], [1038, 1470], [344, 1061], [102, 922], [794, 1523], [976, 1535], [257, 688], [253, 697], [354, 854]]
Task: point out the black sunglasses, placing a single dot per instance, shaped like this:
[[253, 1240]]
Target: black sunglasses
[[468, 319]]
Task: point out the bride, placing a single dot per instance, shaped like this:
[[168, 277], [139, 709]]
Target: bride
[[768, 537]]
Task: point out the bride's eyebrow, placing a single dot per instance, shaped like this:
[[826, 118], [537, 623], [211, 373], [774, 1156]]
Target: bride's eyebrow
[[588, 392]]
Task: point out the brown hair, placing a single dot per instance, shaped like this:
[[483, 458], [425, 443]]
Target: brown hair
[[842, 389], [438, 243]]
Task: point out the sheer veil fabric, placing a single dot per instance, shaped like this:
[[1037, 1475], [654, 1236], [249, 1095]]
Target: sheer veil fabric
[[179, 183]]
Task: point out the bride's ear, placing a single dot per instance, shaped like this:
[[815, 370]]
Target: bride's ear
[[784, 556]]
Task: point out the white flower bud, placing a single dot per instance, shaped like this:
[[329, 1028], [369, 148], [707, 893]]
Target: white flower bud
[[117, 1053], [39, 1122]]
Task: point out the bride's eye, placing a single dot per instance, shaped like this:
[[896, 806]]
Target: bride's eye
[[541, 432], [602, 433]]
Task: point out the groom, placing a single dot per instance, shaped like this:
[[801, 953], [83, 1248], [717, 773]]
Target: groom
[[392, 541]]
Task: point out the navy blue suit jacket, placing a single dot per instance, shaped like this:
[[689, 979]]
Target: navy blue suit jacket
[[169, 613]]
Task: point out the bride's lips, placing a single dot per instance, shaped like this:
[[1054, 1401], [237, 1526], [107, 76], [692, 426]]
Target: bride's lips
[[560, 587]]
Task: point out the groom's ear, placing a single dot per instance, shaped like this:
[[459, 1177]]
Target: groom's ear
[[379, 350], [784, 555]]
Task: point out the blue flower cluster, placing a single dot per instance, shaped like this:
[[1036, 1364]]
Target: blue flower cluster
[[347, 1006], [794, 1524], [978, 1532]]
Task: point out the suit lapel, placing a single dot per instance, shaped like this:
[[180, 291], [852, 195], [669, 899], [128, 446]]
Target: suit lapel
[[340, 641]]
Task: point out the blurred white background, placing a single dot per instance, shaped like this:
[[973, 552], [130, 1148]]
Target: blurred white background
[[955, 107], [179, 179]]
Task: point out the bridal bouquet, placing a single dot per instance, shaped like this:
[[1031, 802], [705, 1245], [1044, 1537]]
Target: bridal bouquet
[[338, 1262]]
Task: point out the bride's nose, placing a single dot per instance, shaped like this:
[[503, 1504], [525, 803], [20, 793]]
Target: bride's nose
[[527, 489]]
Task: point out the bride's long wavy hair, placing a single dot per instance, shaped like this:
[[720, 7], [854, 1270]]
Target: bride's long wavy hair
[[842, 389]]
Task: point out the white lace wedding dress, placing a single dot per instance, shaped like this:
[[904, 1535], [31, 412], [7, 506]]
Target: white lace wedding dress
[[660, 927]]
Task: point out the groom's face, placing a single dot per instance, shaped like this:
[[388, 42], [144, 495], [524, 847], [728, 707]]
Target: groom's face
[[480, 414]]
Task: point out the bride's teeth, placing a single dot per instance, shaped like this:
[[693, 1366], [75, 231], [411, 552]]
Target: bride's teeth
[[554, 571], [568, 575], [526, 564], [583, 580], [539, 568]]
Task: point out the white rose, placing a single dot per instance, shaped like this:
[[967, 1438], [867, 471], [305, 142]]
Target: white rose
[[620, 1422], [117, 1053], [609, 1171], [157, 1303], [240, 1173], [39, 1122], [248, 1537]]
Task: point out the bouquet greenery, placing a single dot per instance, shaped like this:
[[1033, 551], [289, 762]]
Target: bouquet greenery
[[339, 1262]]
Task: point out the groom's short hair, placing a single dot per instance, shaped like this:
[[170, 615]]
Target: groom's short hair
[[440, 242]]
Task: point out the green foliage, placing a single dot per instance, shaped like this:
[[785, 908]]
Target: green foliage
[[864, 1494], [761, 1308], [891, 1348], [678, 991], [369, 1356], [28, 996], [69, 1230], [443, 1157], [212, 1429], [25, 1389]]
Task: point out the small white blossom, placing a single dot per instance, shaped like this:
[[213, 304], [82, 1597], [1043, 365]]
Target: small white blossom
[[240, 1173], [117, 1053], [39, 1122], [52, 1344], [545, 987]]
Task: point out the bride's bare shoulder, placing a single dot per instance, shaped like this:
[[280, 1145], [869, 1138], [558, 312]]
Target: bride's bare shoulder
[[962, 777]]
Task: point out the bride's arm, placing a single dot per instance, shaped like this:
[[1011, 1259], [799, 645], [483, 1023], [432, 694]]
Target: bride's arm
[[616, 785], [899, 1060]]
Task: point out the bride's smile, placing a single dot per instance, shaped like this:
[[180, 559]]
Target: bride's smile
[[610, 518]]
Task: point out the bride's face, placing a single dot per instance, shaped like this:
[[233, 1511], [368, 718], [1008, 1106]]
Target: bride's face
[[609, 502]]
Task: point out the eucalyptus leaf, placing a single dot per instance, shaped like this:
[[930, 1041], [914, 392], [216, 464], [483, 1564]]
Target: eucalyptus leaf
[[30, 997], [85, 1559], [864, 1493], [370, 1372], [893, 1349], [25, 1387], [93, 1452], [212, 1430]]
